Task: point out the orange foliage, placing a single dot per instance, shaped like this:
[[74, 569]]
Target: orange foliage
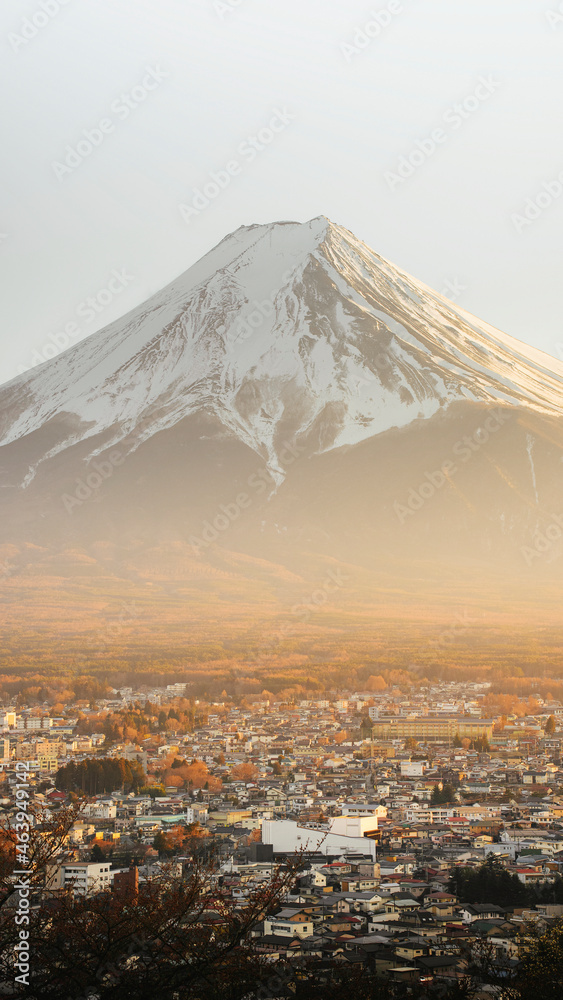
[[245, 772], [194, 775], [376, 683]]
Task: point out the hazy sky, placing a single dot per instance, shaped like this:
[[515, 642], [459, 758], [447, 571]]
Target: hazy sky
[[182, 87]]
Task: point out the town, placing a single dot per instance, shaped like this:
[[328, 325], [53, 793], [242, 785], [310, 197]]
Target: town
[[422, 829]]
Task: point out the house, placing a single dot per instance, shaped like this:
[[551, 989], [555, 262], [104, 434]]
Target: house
[[289, 924], [100, 809], [481, 911]]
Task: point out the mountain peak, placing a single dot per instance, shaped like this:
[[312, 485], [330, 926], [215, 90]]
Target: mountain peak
[[283, 331]]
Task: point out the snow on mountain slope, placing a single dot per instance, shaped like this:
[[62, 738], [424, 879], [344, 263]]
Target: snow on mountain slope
[[282, 331]]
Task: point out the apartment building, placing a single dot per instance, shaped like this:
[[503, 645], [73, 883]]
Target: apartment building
[[432, 729], [82, 876]]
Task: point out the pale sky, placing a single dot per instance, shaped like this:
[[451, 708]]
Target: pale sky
[[181, 86]]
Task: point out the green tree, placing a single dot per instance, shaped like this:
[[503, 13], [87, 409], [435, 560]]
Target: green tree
[[366, 728], [550, 726], [97, 854], [540, 973], [481, 745], [440, 796], [490, 883], [162, 844]]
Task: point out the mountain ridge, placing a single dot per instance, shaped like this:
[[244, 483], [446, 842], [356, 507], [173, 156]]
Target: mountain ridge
[[288, 339], [218, 333]]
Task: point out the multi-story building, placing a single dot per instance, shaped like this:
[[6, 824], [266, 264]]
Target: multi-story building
[[100, 810], [81, 876], [47, 762], [427, 729], [342, 835], [33, 722]]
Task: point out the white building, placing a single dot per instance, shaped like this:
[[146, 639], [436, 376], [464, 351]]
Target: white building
[[197, 813], [421, 813], [364, 809], [82, 876], [342, 835], [412, 768], [288, 928], [100, 810]]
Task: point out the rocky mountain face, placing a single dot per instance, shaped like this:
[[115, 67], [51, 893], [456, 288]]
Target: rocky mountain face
[[292, 396]]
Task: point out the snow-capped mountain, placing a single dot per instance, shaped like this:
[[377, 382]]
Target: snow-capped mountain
[[281, 330], [286, 339]]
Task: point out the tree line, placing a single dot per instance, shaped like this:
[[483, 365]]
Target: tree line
[[95, 776], [491, 883]]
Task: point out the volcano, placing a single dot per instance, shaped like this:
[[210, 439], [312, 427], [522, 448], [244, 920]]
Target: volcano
[[291, 397]]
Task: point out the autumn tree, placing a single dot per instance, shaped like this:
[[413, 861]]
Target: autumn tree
[[376, 683], [177, 937], [245, 772], [48, 838], [195, 775]]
